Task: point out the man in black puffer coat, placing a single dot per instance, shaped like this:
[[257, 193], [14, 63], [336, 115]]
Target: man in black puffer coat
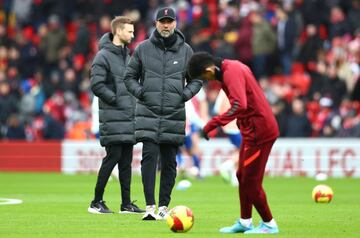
[[156, 75], [116, 113]]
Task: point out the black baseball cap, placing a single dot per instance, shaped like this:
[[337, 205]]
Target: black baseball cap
[[166, 12]]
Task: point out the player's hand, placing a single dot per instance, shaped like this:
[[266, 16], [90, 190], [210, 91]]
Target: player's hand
[[205, 135]]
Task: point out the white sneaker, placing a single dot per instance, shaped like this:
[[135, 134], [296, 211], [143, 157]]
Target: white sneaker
[[163, 213], [150, 213]]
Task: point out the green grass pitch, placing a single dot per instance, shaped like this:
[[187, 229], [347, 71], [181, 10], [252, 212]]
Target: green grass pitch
[[55, 205]]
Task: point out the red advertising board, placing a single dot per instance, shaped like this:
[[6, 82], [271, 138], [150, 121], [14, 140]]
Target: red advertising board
[[289, 157], [30, 156]]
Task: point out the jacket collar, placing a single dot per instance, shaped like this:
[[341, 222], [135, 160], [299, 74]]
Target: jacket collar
[[105, 42], [175, 47]]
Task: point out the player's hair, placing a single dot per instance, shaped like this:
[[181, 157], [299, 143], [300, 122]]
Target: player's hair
[[198, 63], [119, 22]]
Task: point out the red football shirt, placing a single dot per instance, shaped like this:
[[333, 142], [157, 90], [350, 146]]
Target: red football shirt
[[249, 106]]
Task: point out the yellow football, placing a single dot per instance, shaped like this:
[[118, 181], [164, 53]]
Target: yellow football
[[322, 194], [180, 219]]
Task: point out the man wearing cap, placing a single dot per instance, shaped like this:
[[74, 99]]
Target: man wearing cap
[[156, 76]]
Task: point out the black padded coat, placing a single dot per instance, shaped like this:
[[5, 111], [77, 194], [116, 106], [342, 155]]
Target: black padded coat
[[157, 77], [116, 104]]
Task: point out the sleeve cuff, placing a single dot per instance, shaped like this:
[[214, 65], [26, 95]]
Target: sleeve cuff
[[186, 95]]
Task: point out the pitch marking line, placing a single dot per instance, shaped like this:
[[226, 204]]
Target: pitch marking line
[[9, 201]]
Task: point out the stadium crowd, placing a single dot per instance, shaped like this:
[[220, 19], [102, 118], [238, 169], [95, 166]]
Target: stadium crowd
[[305, 55]]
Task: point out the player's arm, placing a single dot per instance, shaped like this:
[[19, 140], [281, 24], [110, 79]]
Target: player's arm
[[133, 74], [237, 97], [99, 85]]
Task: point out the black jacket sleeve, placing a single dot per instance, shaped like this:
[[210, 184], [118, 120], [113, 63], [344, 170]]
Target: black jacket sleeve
[[193, 86], [133, 74], [99, 80]]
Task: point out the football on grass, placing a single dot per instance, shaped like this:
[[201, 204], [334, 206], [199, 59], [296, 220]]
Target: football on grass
[[180, 219], [322, 194]]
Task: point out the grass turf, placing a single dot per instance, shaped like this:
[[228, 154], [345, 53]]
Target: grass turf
[[55, 205]]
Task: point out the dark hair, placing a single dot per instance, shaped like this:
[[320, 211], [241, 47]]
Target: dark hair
[[198, 63]]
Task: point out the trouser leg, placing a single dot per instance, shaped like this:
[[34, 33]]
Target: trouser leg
[[149, 160], [251, 173], [108, 163], [245, 202], [168, 172], [124, 166]]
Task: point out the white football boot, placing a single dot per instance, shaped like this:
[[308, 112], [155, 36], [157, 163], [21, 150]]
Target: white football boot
[[150, 213], [163, 213]]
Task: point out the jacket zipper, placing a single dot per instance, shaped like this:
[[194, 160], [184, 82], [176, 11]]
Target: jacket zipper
[[162, 90]]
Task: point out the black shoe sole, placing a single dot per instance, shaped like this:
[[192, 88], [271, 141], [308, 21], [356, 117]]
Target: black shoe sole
[[149, 218]]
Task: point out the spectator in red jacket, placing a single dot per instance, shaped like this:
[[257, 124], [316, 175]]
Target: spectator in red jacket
[[258, 128]]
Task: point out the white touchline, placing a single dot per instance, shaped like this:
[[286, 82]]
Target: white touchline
[[9, 201]]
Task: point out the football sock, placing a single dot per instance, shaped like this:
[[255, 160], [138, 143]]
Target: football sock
[[179, 159], [246, 222], [271, 223], [196, 161]]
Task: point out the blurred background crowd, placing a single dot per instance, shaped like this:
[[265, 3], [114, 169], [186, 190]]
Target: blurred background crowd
[[304, 53]]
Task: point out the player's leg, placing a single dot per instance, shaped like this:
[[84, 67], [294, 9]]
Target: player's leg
[[107, 165], [236, 140], [180, 160], [183, 150], [254, 163], [124, 169], [149, 161], [194, 148], [244, 196], [190, 147], [244, 223]]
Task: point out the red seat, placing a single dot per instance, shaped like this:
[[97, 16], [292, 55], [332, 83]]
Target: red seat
[[301, 82], [297, 68]]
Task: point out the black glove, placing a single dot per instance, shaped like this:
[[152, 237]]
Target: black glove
[[205, 135]]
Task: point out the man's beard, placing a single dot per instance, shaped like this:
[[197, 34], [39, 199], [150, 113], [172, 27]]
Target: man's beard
[[124, 42], [166, 33]]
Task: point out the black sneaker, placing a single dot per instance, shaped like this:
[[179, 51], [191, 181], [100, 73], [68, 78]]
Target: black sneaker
[[99, 208], [131, 208]]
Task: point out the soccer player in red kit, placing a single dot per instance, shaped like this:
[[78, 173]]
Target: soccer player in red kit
[[258, 127]]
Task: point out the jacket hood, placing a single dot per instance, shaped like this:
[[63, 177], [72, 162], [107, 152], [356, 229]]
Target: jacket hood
[[105, 42], [179, 41]]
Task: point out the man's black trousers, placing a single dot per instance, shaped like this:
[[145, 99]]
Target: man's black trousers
[[120, 154], [150, 155]]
